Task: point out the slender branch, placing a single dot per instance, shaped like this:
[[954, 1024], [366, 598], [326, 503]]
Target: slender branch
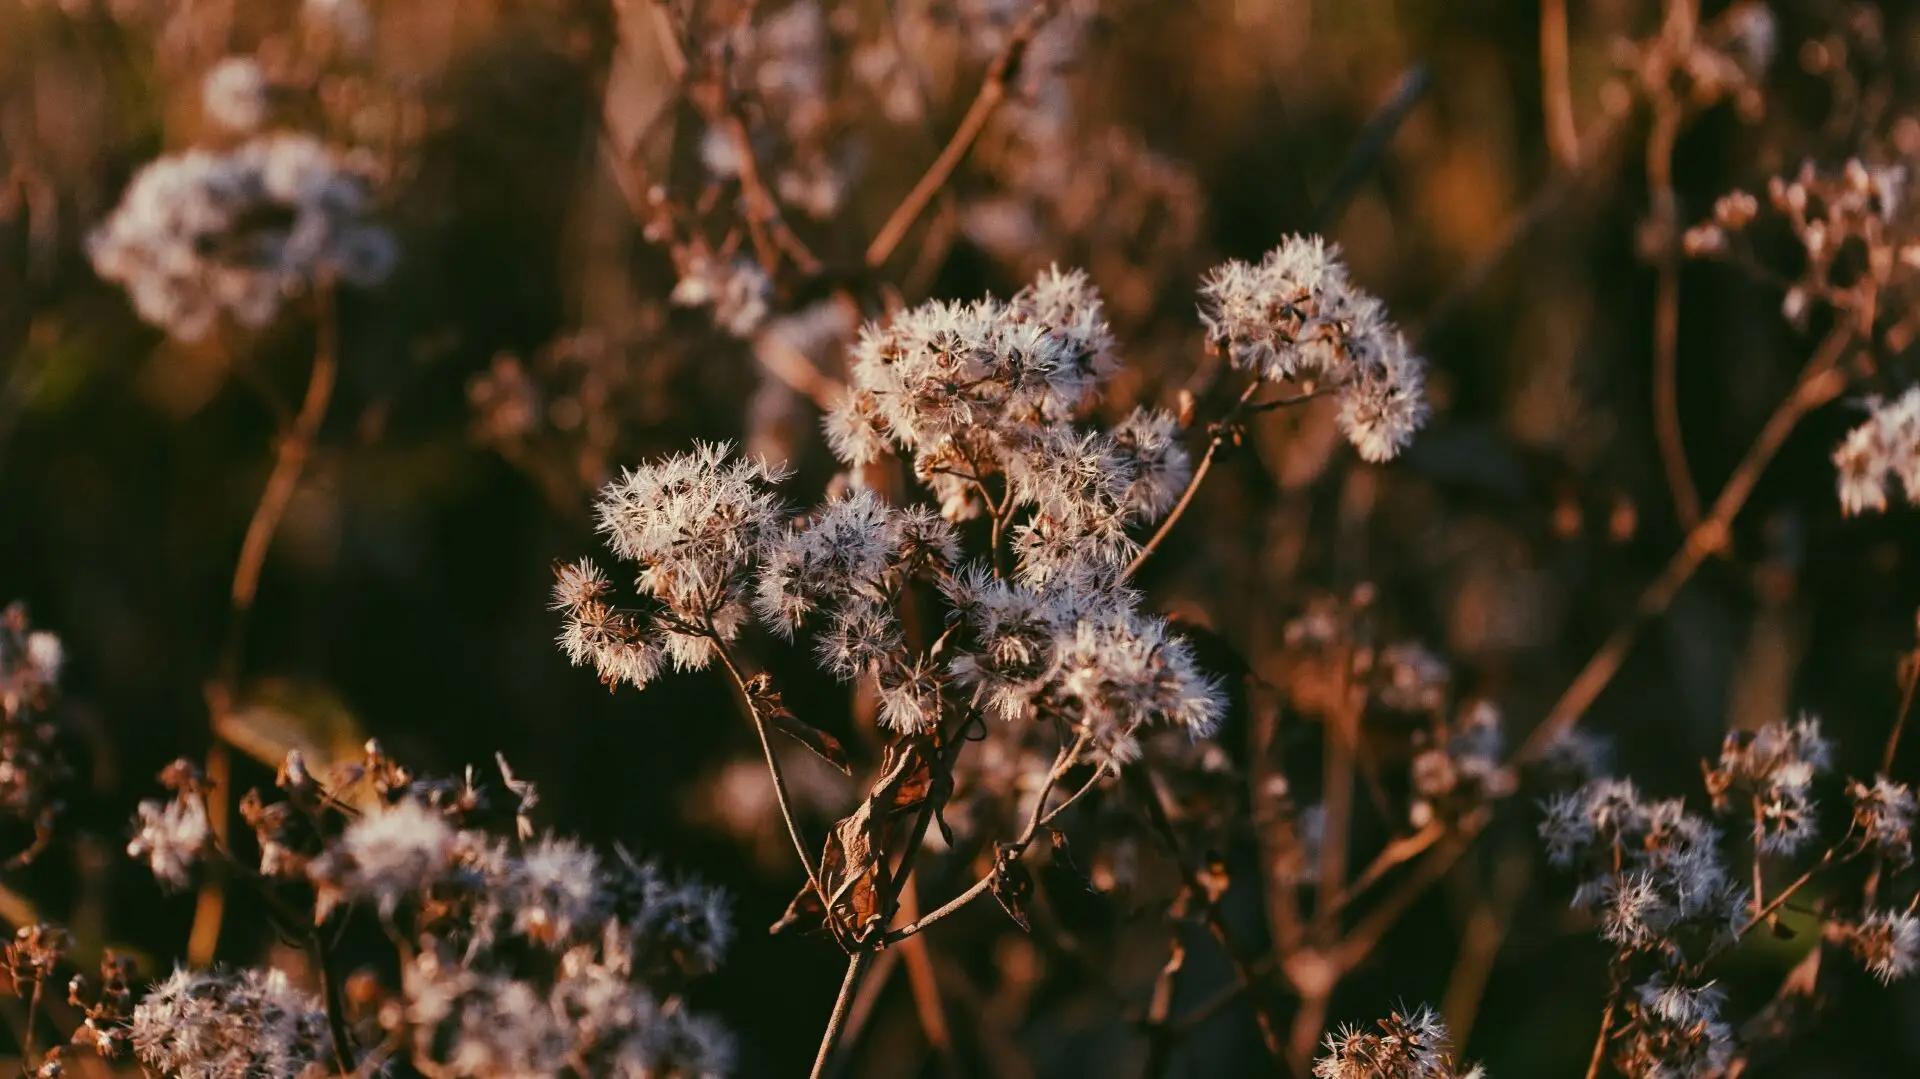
[[1396, 853], [1600, 1041], [295, 447], [1035, 822], [855, 964], [1556, 84], [773, 763], [1221, 432], [1160, 1034], [1485, 934], [332, 1001], [1342, 730], [1536, 211], [992, 91], [1666, 312], [29, 1050], [1820, 382], [290, 458], [1773, 905], [1371, 144], [1910, 680]]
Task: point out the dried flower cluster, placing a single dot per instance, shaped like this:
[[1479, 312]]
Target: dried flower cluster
[[1657, 880], [1886, 446], [33, 766], [1296, 317], [206, 233], [521, 955], [1412, 1046], [985, 398], [222, 1024]]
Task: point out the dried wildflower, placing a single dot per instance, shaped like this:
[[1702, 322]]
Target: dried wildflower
[[985, 389], [1770, 772], [1652, 871], [694, 524], [32, 955], [1412, 678], [1415, 1046], [684, 926], [1675, 1032], [1295, 316], [1886, 445], [202, 233], [554, 892], [234, 94], [739, 293], [1883, 816], [33, 767], [1887, 941], [230, 1025], [1120, 672], [172, 837], [471, 1024], [1465, 771], [385, 856]]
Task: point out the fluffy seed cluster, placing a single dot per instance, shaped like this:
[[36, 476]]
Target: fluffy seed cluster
[[1402, 1047], [1675, 1032], [1885, 448], [694, 525], [1770, 773], [526, 956], [986, 398], [203, 233], [230, 1024], [1883, 815], [739, 293], [1465, 771], [174, 835], [1671, 896], [234, 94], [1296, 316], [33, 768], [987, 389], [1887, 943]]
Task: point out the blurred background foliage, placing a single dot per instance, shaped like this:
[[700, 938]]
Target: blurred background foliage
[[406, 595]]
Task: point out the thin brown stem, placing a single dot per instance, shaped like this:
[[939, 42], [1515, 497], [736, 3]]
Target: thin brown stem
[[855, 964], [1773, 905], [1556, 85], [1820, 382], [1910, 679], [332, 1001], [1600, 1041], [992, 91], [1160, 1034], [1337, 795], [294, 448], [29, 1050], [1036, 821], [1480, 945], [773, 763], [924, 984], [1221, 434], [1666, 313]]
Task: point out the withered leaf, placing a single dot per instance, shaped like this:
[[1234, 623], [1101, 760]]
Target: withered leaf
[[767, 701], [1064, 862], [1012, 884], [804, 914], [906, 776], [824, 745]]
